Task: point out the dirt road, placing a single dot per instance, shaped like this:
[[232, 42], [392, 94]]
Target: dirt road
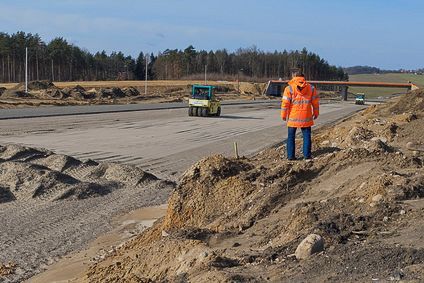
[[75, 110], [163, 142]]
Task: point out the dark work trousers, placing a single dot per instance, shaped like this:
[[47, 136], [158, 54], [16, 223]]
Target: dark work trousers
[[291, 146]]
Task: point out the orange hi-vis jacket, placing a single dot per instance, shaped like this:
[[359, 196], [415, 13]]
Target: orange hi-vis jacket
[[299, 107]]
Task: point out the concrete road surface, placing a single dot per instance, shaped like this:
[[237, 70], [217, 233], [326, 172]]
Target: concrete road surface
[[165, 141], [50, 111]]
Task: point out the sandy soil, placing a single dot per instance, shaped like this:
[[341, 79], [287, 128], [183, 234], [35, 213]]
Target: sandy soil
[[52, 204], [125, 227], [241, 220], [149, 134]]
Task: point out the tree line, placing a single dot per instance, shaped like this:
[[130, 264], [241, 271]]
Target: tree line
[[355, 70], [250, 62], [58, 60], [358, 70]]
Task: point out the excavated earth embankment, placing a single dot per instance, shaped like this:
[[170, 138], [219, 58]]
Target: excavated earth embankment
[[242, 220]]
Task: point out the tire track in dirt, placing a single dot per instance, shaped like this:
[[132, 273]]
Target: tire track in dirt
[[37, 231]]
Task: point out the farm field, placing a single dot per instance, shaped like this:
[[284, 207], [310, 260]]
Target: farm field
[[372, 92]]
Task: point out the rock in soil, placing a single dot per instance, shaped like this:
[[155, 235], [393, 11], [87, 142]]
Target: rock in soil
[[312, 244]]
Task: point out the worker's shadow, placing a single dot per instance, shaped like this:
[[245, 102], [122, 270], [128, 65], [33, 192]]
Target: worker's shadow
[[324, 151], [239, 117]]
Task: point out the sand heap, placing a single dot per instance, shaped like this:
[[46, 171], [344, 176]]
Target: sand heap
[[52, 204], [47, 90], [46, 93], [252, 88], [34, 174], [33, 86], [242, 220]]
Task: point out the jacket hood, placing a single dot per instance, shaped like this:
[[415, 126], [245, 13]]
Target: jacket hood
[[298, 81]]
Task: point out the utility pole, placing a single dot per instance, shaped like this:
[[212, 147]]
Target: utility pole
[[206, 69], [26, 69], [36, 62], [145, 82], [238, 81], [52, 71]]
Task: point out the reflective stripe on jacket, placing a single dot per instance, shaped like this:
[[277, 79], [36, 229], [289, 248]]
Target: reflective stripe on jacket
[[299, 107]]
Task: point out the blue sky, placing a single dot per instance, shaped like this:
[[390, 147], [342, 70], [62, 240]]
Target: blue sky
[[387, 34]]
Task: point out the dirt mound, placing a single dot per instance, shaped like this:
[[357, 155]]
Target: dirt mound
[[252, 88], [34, 174], [36, 89], [46, 90], [129, 175], [28, 181], [39, 85], [78, 92], [130, 91], [81, 93], [213, 168], [52, 204], [413, 101], [207, 182], [34, 85], [14, 152], [114, 92], [52, 93], [241, 220], [358, 135], [59, 162]]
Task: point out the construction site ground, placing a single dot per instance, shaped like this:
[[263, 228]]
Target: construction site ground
[[227, 219], [164, 142], [46, 93], [243, 220], [39, 231]]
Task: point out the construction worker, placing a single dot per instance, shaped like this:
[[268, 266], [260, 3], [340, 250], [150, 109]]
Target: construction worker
[[299, 107]]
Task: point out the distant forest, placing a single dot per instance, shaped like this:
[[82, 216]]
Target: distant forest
[[357, 70], [59, 60]]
